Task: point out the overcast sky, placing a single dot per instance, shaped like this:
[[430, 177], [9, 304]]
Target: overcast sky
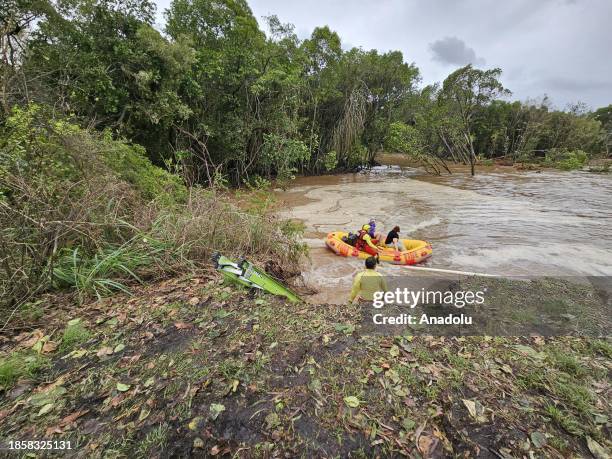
[[562, 48]]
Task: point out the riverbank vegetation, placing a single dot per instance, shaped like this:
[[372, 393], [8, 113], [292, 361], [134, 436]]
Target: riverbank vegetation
[[83, 211], [216, 96], [119, 146]]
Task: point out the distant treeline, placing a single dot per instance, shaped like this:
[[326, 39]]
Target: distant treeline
[[214, 97]]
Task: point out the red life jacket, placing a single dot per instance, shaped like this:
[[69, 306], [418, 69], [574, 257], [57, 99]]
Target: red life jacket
[[361, 243]]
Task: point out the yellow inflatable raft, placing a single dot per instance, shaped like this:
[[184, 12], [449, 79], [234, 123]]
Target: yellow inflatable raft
[[416, 251]]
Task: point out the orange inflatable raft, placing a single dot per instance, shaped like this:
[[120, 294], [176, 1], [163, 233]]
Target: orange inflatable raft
[[416, 251]]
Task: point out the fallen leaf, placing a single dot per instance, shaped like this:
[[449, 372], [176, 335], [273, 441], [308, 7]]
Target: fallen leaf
[[215, 410], [596, 449], [72, 417], [351, 401], [123, 387], [194, 301], [538, 439], [36, 336], [272, 421], [506, 369], [427, 444], [45, 409], [215, 450], [53, 430], [475, 409], [195, 423], [144, 414], [408, 424], [104, 351], [198, 443], [182, 325], [77, 353], [49, 346], [119, 347]]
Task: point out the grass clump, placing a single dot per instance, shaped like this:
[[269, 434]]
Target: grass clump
[[601, 347], [17, 365], [567, 363], [75, 334], [155, 440], [564, 419]]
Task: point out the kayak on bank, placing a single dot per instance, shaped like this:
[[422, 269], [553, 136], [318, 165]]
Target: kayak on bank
[[245, 273], [416, 251]]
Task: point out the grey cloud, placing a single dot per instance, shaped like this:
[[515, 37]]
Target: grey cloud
[[572, 84], [452, 50]]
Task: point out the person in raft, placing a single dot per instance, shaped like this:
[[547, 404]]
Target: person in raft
[[365, 243], [367, 282], [393, 239], [372, 231]]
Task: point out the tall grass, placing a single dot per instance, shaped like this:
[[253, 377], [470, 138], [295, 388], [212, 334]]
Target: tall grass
[[170, 238], [99, 273], [81, 211]]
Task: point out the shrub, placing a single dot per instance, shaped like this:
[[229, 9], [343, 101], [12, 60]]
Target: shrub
[[82, 211], [565, 159]]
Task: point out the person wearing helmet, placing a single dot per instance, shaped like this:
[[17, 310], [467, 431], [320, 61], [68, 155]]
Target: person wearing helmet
[[365, 243]]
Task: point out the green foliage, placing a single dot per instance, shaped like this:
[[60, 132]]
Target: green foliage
[[330, 160], [405, 139], [74, 335], [565, 159], [67, 193], [96, 274], [19, 364], [283, 155], [130, 163]]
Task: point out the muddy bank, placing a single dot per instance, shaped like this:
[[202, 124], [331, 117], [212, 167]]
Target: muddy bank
[[193, 367]]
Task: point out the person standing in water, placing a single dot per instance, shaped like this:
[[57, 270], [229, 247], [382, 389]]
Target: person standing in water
[[367, 282], [393, 239]]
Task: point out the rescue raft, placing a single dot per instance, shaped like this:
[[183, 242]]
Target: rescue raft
[[416, 251]]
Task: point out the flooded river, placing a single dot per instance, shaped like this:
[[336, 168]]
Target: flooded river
[[501, 221]]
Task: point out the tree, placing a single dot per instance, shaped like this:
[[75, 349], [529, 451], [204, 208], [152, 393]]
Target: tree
[[604, 116], [465, 93]]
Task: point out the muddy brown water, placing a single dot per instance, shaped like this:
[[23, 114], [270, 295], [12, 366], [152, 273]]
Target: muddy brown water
[[502, 221]]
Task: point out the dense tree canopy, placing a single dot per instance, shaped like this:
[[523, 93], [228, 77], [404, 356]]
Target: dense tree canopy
[[213, 95]]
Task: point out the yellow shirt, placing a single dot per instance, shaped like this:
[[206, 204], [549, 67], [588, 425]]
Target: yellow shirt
[[368, 240], [366, 283]]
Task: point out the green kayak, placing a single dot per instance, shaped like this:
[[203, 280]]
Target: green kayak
[[249, 275]]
